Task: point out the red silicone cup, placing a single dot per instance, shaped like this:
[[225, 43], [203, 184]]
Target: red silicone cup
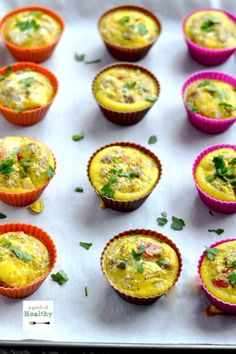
[[220, 206], [205, 124], [225, 306], [44, 237], [203, 55]]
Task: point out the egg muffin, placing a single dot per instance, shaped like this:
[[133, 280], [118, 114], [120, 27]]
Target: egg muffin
[[26, 167], [211, 29], [141, 265], [129, 31], [23, 259], [125, 92], [123, 175], [212, 98], [27, 256], [215, 174], [31, 33], [216, 269]]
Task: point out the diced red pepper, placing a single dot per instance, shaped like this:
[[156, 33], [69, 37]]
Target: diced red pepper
[[220, 283], [2, 154], [227, 271], [19, 156], [124, 158]]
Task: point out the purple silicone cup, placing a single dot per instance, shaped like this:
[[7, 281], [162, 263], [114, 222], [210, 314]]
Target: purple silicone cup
[[202, 123], [220, 206], [203, 55], [225, 306]]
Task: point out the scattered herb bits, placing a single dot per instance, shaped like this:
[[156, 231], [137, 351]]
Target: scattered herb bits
[[211, 253], [152, 139], [60, 277], [85, 245], [2, 216], [163, 219], [79, 189], [86, 291], [217, 231], [177, 224], [81, 57], [78, 137]]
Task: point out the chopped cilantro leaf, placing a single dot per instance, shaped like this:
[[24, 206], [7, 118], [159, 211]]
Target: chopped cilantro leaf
[[150, 98], [123, 20], [28, 82], [78, 137], [6, 167], [217, 231], [191, 107], [79, 57], [51, 171], [79, 189], [204, 83], [129, 85], [27, 25], [210, 178], [177, 224], [107, 191], [142, 29], [85, 245], [152, 139], [162, 221]]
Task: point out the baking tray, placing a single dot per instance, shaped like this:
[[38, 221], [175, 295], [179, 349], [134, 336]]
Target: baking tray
[[102, 318]]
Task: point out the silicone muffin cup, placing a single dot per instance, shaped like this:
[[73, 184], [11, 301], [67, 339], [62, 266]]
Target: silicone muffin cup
[[138, 299], [32, 116], [24, 198], [202, 123], [203, 55], [120, 117], [225, 306], [124, 53], [121, 205], [217, 205], [44, 237], [35, 55]]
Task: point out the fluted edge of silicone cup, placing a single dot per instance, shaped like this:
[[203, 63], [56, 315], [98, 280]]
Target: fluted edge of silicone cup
[[203, 123], [217, 205], [141, 299], [124, 53], [132, 204], [32, 116], [38, 54], [204, 55], [125, 117], [44, 237], [28, 197], [225, 306]]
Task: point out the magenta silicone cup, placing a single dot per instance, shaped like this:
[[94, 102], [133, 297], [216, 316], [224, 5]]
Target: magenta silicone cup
[[205, 124], [225, 306], [221, 206], [203, 55]]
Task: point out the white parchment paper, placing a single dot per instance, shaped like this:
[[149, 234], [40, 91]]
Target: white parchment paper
[[71, 217]]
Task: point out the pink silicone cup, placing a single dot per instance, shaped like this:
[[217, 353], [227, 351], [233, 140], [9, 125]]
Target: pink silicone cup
[[205, 124], [220, 206], [203, 55], [225, 306]]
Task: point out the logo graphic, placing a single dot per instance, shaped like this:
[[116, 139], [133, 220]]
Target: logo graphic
[[37, 315]]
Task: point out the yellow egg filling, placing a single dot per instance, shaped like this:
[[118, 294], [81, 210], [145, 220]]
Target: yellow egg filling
[[212, 98], [218, 271], [25, 164], [216, 174], [32, 29], [129, 28], [23, 259], [125, 89], [211, 29], [141, 265], [25, 89], [123, 173]]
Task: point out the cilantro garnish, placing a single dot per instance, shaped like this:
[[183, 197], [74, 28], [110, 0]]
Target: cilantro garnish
[[28, 82], [227, 106], [204, 83], [27, 25], [152, 139], [60, 277], [79, 57], [142, 29], [6, 167], [211, 253], [26, 162], [79, 189], [191, 107], [227, 174], [234, 264], [78, 137], [129, 85], [232, 278], [210, 178], [177, 224], [208, 26], [51, 171], [85, 245], [123, 20], [217, 231], [9, 70], [107, 191], [18, 110], [122, 173], [150, 98], [138, 261], [20, 254], [162, 220]]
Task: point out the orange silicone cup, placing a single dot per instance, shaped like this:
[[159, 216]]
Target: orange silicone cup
[[32, 116], [36, 55], [25, 198], [44, 237]]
